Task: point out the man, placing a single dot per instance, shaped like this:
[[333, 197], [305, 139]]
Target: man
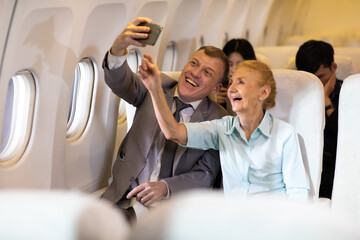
[[139, 173], [317, 57]]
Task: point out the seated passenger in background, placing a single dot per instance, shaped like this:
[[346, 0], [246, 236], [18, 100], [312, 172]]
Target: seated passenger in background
[[259, 154], [237, 50], [317, 57], [146, 170]]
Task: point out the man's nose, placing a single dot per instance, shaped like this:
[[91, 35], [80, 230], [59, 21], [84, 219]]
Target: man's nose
[[196, 72]]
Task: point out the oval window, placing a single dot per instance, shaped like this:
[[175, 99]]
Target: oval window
[[134, 59], [81, 99], [18, 117], [170, 57]]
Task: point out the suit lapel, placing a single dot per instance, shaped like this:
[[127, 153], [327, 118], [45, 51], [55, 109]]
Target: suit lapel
[[199, 115]]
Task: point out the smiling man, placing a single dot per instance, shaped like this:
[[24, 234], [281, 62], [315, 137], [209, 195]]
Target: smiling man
[[147, 170]]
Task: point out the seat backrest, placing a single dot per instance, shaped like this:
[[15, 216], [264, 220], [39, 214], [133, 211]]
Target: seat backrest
[[300, 102], [278, 55], [346, 190], [353, 52], [213, 216], [263, 58], [36, 214], [346, 66]]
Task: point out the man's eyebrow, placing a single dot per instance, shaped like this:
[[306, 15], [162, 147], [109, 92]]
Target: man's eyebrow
[[195, 59], [209, 68]]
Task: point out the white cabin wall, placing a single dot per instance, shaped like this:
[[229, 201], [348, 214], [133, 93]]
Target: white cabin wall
[[332, 21], [6, 11], [332, 15], [35, 43], [210, 29], [280, 22], [50, 37], [256, 21], [100, 22]]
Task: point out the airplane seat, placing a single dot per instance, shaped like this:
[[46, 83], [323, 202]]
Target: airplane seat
[[263, 58], [346, 190], [211, 215], [346, 66], [300, 102], [352, 42], [353, 52], [291, 64], [39, 214], [278, 55]]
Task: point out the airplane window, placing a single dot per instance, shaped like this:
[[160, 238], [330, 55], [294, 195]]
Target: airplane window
[[18, 117], [81, 99], [170, 57], [134, 59]]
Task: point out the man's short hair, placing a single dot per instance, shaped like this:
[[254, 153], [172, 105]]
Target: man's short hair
[[215, 52], [312, 54]]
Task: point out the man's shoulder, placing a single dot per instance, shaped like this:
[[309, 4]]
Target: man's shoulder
[[167, 82], [216, 111]]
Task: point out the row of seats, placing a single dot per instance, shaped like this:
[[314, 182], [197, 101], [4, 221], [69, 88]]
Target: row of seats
[[337, 39], [347, 59], [199, 214]]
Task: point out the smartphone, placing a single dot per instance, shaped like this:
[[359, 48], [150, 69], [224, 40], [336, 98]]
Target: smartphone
[[153, 35]]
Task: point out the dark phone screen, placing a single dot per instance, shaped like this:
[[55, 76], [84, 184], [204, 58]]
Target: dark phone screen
[[154, 33]]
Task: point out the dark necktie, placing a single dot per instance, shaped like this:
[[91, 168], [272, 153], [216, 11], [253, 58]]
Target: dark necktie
[[170, 146]]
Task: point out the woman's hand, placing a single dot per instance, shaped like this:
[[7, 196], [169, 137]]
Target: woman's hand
[[149, 74]]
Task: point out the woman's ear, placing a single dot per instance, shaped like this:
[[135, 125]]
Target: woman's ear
[[264, 92]]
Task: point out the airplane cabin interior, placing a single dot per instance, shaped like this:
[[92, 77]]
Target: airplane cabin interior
[[61, 125]]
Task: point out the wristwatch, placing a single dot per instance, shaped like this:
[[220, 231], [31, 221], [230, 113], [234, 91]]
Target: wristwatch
[[330, 106]]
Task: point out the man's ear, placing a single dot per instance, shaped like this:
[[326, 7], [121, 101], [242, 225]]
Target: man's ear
[[264, 92], [216, 88], [333, 67]]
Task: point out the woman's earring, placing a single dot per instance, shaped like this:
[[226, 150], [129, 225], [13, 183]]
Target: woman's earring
[[260, 99]]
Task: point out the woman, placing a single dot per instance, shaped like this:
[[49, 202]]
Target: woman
[[237, 50], [259, 154]]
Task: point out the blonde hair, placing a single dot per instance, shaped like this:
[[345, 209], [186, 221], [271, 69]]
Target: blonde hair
[[267, 78]]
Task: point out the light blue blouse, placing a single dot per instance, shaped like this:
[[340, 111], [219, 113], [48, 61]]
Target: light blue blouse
[[269, 163]]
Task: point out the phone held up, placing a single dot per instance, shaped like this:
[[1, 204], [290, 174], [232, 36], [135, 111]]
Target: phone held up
[[153, 35]]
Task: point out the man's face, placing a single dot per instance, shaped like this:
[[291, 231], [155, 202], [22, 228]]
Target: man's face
[[201, 76], [324, 73]]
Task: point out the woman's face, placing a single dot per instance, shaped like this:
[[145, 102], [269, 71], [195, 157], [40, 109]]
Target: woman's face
[[244, 90], [234, 59]]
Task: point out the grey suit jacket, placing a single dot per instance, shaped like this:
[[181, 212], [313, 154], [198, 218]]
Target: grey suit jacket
[[195, 169]]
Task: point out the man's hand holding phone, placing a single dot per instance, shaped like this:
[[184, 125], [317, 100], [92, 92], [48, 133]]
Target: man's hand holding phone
[[127, 37], [153, 35], [137, 33]]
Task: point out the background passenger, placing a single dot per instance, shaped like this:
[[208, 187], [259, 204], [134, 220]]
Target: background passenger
[[259, 154], [317, 57], [140, 177], [237, 50]]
